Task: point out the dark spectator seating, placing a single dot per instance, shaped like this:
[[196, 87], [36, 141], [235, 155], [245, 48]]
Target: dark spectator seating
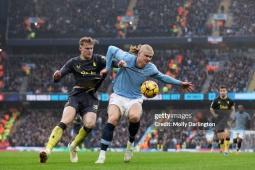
[[175, 18], [35, 126], [243, 18], [183, 64], [235, 74], [66, 19]]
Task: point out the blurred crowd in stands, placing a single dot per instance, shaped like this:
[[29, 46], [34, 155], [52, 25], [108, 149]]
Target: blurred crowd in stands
[[32, 74], [33, 126], [235, 74], [174, 18], [167, 18], [243, 18], [65, 18]]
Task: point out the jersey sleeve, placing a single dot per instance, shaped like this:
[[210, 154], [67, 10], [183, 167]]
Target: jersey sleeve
[[214, 104], [65, 70], [115, 52], [232, 103], [248, 116], [164, 78], [114, 62]]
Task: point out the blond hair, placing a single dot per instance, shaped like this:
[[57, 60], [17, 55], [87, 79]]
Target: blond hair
[[86, 40], [136, 49]]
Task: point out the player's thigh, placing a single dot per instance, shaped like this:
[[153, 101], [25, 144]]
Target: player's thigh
[[135, 112], [68, 115], [220, 134], [227, 132], [89, 119], [114, 114]]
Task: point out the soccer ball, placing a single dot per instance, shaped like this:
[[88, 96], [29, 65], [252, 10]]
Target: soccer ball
[[149, 89]]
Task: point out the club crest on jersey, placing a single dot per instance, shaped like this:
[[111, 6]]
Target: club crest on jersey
[[95, 106], [78, 66], [94, 64]]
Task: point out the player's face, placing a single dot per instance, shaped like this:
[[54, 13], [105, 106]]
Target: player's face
[[240, 109], [86, 50], [144, 57], [223, 92]]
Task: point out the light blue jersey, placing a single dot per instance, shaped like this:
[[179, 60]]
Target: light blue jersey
[[127, 83], [241, 120]]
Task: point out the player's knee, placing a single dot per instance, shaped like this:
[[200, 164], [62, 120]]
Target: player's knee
[[222, 142], [239, 140], [62, 125], [90, 124], [113, 120], [227, 135], [134, 118], [87, 129]]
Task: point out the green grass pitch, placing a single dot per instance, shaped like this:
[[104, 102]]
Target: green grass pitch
[[141, 160]]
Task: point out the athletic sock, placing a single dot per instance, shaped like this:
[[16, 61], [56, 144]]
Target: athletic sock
[[226, 144], [133, 129], [55, 136], [81, 136], [107, 136]]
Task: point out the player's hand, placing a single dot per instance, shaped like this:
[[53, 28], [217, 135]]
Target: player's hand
[[57, 75], [122, 63], [104, 71], [187, 86]]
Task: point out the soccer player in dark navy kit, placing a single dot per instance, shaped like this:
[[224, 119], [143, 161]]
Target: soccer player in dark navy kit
[[86, 72], [223, 110]]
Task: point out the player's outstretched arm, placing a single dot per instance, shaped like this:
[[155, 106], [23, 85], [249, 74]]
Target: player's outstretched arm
[[187, 86]]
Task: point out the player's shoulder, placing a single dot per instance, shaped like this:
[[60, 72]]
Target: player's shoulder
[[152, 68], [74, 59], [229, 99], [77, 58], [150, 65], [98, 57], [216, 99]]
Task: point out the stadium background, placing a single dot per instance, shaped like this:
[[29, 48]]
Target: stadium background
[[207, 42]]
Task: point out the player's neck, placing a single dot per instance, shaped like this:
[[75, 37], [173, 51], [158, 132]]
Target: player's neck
[[139, 64], [85, 58], [223, 97]]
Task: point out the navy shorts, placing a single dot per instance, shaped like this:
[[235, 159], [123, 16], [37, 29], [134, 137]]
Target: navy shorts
[[83, 101], [222, 124]]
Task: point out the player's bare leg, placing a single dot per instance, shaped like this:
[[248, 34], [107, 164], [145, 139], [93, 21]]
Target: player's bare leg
[[134, 115]]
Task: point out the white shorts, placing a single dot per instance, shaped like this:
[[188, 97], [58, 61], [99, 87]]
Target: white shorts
[[123, 103], [209, 135], [238, 133]]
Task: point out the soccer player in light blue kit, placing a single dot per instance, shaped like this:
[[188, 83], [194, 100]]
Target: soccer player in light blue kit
[[135, 68], [242, 121]]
